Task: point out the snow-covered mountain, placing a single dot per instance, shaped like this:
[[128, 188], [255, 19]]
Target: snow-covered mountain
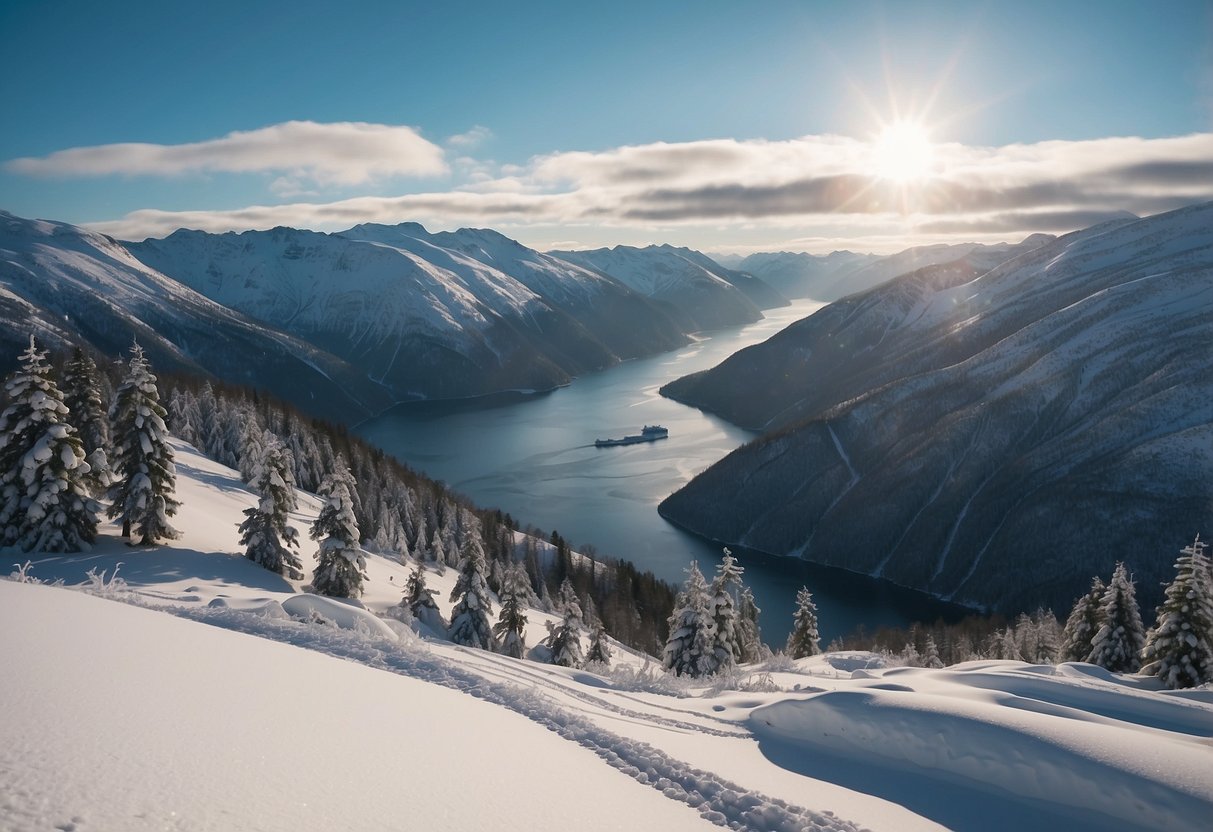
[[992, 437], [419, 318], [69, 285], [702, 296], [340, 709], [838, 274]]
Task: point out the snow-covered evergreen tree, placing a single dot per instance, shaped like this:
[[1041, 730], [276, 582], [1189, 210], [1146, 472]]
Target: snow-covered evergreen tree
[[564, 638], [690, 648], [510, 628], [600, 649], [804, 640], [1118, 644], [44, 493], [726, 587], [86, 413], [473, 603], [265, 533], [145, 479], [749, 634], [1086, 617], [930, 653], [1179, 649], [420, 600], [340, 567], [1047, 637]]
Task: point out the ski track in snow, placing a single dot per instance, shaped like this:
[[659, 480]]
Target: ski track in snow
[[718, 800]]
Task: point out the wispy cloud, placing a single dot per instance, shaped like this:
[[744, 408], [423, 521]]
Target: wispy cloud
[[337, 154], [816, 186], [473, 138]]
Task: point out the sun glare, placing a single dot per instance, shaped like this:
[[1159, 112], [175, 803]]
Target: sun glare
[[902, 152]]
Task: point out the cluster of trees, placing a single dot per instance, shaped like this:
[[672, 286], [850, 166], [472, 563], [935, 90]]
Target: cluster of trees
[[55, 450], [713, 627], [376, 503], [1105, 626]]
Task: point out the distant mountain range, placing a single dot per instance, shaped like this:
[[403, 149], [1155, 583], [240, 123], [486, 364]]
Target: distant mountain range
[[346, 324], [994, 436]]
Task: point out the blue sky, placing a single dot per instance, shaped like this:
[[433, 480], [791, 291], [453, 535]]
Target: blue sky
[[719, 125]]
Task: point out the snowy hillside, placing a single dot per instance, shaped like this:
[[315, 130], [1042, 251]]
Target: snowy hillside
[[992, 437], [674, 276], [420, 318], [69, 285], [841, 273], [203, 692]]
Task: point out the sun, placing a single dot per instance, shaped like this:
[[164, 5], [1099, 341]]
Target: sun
[[903, 152]]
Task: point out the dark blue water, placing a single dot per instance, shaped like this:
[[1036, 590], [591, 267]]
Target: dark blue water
[[534, 457]]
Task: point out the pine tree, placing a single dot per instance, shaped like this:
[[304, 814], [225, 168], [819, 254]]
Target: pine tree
[[44, 495], [749, 634], [420, 600], [264, 533], [564, 638], [511, 625], [82, 396], [1086, 617], [1118, 644], [1179, 650], [804, 639], [145, 478], [725, 587], [930, 654], [340, 567], [690, 648], [600, 649], [473, 604]]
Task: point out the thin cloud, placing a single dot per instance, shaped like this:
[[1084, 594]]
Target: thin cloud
[[473, 138], [813, 187], [341, 154]]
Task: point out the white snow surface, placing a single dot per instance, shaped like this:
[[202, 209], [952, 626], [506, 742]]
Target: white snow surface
[[292, 711]]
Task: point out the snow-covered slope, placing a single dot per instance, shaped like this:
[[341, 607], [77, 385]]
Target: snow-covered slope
[[675, 276], [993, 437], [214, 698], [625, 321], [421, 319], [831, 276], [67, 285]]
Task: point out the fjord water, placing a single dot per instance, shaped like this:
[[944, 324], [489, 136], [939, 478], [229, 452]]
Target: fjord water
[[534, 457]]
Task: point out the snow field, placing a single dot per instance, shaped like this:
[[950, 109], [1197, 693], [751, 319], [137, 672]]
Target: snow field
[[105, 695]]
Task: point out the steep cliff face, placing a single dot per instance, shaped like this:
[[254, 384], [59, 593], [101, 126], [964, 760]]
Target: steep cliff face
[[994, 438]]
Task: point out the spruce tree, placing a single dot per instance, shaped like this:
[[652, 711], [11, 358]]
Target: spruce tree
[[473, 604], [930, 654], [1118, 644], [264, 533], [690, 648], [145, 478], [44, 495], [804, 639], [1086, 617], [749, 634], [1179, 649], [564, 638], [600, 650], [725, 588], [510, 628], [86, 413], [340, 567], [420, 600]]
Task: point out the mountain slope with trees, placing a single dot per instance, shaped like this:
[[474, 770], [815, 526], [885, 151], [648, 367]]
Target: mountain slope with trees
[[993, 438]]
